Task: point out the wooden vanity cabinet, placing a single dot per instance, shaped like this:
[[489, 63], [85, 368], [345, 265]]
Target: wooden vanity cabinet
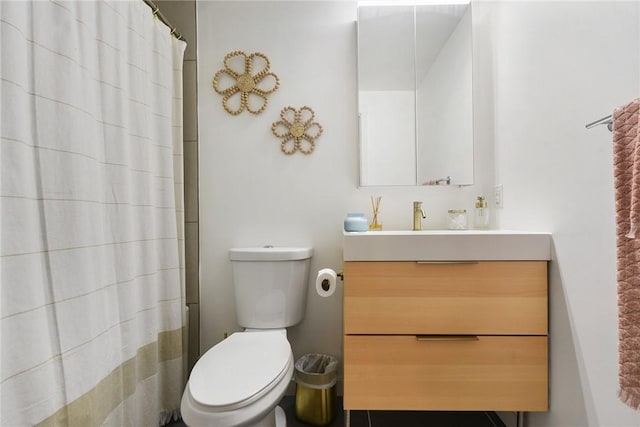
[[446, 336]]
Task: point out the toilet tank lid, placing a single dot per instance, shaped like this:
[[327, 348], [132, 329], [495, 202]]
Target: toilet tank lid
[[269, 253]]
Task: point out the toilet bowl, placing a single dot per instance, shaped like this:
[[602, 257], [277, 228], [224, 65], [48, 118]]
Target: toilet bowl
[[240, 381]]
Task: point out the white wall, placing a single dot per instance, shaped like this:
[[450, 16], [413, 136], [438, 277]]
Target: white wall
[[558, 67], [542, 71], [252, 194]]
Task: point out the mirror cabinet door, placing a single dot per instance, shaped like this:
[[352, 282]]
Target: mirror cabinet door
[[444, 116], [415, 94], [386, 87]]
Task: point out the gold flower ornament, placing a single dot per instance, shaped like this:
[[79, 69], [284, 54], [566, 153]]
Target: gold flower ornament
[[244, 82], [297, 130]]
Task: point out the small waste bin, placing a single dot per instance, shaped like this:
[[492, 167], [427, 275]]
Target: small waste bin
[[316, 376]]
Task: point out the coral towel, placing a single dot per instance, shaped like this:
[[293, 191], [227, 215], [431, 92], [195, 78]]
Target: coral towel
[[626, 153]]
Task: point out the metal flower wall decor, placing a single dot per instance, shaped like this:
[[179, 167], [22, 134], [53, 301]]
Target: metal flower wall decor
[[244, 82], [297, 130]]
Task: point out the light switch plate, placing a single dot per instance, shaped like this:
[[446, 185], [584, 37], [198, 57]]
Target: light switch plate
[[498, 196]]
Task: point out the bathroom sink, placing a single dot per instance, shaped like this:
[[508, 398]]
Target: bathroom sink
[[446, 245]]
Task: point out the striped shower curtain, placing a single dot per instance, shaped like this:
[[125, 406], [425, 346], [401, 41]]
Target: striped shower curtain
[[91, 215]]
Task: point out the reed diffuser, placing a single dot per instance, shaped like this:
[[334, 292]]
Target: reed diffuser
[[375, 203]]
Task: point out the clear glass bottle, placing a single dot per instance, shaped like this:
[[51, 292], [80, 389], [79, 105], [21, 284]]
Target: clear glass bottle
[[481, 218]]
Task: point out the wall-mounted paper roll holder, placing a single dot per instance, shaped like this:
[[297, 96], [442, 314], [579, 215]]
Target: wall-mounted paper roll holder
[[325, 283]]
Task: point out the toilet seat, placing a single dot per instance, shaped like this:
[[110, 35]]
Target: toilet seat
[[240, 369]]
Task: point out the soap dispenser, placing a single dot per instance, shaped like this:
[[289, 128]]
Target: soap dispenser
[[481, 214]]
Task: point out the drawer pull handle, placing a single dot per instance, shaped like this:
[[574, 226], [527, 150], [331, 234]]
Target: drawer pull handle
[[446, 262], [447, 337]]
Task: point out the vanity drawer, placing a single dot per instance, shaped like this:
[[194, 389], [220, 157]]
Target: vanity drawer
[[482, 298], [445, 373]]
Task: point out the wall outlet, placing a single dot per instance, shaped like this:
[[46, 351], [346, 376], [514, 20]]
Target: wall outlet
[[498, 197]]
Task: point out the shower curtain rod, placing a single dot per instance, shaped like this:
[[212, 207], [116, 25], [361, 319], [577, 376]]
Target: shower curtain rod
[[164, 20], [603, 121]]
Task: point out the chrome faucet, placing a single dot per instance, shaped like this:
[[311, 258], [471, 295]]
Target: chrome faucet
[[418, 216]]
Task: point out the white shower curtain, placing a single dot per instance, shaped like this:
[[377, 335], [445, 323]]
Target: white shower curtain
[[92, 215]]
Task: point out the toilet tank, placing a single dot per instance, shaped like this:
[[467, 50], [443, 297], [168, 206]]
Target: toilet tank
[[270, 285]]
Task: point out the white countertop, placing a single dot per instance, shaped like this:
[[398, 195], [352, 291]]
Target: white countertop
[[446, 245]]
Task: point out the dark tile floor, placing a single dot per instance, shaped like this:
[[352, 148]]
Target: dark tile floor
[[395, 418]]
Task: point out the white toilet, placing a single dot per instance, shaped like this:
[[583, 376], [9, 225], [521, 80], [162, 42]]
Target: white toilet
[[240, 381]]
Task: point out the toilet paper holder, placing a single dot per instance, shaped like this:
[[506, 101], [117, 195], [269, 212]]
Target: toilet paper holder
[[325, 283]]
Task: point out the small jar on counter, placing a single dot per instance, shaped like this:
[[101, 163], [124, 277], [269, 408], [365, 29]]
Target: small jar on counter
[[457, 219], [356, 221]]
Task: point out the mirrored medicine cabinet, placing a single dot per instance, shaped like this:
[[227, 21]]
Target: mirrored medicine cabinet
[[415, 112]]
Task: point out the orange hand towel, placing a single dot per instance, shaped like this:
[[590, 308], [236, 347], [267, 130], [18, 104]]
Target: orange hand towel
[[626, 152]]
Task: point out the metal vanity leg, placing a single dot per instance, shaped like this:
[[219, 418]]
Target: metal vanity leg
[[347, 418]]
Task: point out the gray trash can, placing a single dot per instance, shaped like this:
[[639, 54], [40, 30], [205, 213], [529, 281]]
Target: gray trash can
[[316, 376]]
